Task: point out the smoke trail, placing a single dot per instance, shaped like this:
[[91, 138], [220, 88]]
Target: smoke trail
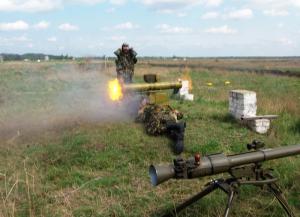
[[58, 96]]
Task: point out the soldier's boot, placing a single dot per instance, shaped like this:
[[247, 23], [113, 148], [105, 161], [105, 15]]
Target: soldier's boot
[[176, 133]]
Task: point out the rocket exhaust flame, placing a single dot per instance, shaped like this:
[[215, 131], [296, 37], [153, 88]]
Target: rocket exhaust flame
[[115, 90], [186, 77]]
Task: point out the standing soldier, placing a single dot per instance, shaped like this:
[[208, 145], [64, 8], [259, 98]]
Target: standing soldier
[[126, 58]]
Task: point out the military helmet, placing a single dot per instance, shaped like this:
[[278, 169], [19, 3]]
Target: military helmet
[[125, 44]]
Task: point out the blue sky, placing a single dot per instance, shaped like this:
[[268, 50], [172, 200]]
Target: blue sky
[[152, 27]]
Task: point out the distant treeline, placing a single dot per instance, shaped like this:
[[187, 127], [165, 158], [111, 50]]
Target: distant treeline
[[33, 56], [40, 56]]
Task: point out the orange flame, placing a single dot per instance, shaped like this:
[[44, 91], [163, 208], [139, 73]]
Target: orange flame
[[115, 90], [186, 76]]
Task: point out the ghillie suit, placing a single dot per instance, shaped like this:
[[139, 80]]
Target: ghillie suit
[[162, 119], [125, 64]]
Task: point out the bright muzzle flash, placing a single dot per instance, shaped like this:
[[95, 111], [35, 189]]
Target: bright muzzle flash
[[115, 90]]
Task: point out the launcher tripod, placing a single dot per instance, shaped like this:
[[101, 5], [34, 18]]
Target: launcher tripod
[[252, 174]]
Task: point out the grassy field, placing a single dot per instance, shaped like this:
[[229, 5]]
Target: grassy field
[[282, 66], [68, 163]]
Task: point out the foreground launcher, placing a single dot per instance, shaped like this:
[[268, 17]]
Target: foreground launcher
[[244, 169]]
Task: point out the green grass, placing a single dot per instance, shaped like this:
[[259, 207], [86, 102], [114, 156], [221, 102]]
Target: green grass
[[100, 169]]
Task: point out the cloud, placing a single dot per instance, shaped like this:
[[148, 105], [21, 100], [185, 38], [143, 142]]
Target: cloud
[[276, 13], [21, 25], [170, 3], [52, 39], [42, 25], [110, 10], [96, 46], [280, 25], [68, 27], [93, 2], [237, 14], [165, 28], [117, 2], [286, 42], [90, 2], [241, 14], [213, 3], [210, 15], [121, 26], [15, 26], [117, 38], [277, 5], [13, 40], [126, 26], [29, 5], [20, 38], [46, 5], [181, 14], [175, 6], [221, 30]]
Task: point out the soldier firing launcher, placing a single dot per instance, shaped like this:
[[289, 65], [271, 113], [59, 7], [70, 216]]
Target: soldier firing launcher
[[148, 87], [153, 88], [244, 169]]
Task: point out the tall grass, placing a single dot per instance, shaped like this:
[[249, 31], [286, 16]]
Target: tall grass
[[100, 169]]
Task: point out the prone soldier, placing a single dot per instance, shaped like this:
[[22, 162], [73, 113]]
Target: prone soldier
[[126, 59], [163, 119]]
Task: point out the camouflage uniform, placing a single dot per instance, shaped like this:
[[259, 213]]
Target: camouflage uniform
[[125, 64], [162, 119], [156, 117]]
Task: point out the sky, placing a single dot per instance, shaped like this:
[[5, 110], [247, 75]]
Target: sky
[[203, 28]]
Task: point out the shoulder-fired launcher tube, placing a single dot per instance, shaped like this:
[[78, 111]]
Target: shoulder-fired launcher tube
[[145, 87], [219, 163]]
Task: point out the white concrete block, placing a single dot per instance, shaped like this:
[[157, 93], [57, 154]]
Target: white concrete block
[[184, 91], [242, 103], [185, 88], [189, 97], [260, 126]]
